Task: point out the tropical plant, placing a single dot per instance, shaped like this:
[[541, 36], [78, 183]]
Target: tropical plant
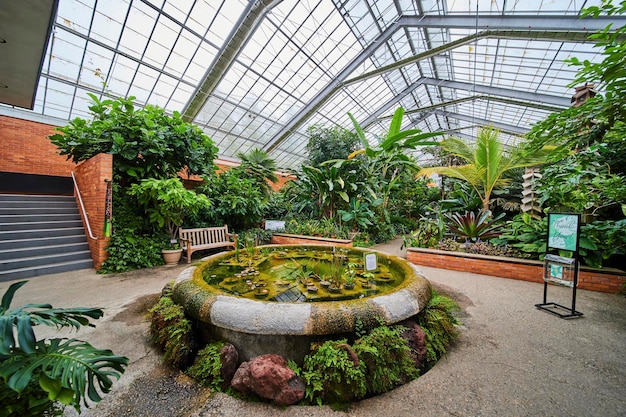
[[68, 371], [358, 214], [145, 143], [429, 232], [167, 202], [487, 162], [385, 162], [260, 167], [526, 234], [129, 250], [236, 200], [329, 143], [460, 196], [474, 226]]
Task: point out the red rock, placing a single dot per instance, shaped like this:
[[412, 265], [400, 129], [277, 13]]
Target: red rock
[[230, 359], [269, 377]]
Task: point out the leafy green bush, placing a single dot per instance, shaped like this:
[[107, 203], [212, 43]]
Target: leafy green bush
[[145, 142], [479, 248], [428, 233], [438, 321], [333, 374], [37, 373], [324, 228], [129, 251], [207, 367], [387, 359], [258, 236], [172, 332]]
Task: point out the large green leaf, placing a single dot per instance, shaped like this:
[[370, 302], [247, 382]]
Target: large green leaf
[[87, 371]]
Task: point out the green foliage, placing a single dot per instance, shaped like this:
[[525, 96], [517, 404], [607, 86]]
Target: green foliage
[[237, 200], [324, 228], [258, 236], [333, 373], [207, 367], [460, 196], [428, 233], [475, 226], [167, 202], [412, 197], [259, 167], [526, 234], [387, 359], [172, 332], [583, 183], [145, 143], [129, 251], [68, 371], [487, 161], [329, 143], [438, 321], [358, 215]]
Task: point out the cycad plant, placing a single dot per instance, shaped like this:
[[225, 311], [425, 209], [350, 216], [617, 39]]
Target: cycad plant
[[487, 161], [37, 373]]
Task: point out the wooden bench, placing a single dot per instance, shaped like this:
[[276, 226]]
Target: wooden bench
[[193, 240]]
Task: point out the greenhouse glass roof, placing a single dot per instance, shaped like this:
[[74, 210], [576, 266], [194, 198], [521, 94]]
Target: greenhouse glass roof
[[256, 74]]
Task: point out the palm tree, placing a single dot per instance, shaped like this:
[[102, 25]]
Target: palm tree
[[487, 161], [260, 167]]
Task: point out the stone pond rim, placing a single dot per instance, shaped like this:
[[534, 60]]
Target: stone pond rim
[[257, 327]]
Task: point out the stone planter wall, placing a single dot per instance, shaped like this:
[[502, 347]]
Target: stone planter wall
[[287, 239], [608, 280]]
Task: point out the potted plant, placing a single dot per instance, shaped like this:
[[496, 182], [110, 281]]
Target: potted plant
[[167, 203]]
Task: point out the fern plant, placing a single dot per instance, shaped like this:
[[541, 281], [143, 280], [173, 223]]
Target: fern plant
[[42, 372], [333, 373], [172, 332], [387, 359], [207, 367], [438, 320]]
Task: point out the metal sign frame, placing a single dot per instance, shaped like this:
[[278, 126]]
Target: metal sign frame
[[563, 235]]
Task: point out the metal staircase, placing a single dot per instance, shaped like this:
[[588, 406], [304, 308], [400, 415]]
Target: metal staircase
[[40, 235]]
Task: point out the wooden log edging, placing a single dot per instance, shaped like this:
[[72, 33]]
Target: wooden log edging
[[609, 280], [289, 239]]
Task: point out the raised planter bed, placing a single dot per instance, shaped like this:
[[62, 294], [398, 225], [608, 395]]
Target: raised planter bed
[[608, 280], [288, 239]]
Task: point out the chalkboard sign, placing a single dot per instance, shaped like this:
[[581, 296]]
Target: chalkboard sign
[[563, 231]]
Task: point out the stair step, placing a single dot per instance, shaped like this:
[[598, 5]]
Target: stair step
[[32, 211], [45, 241], [50, 224], [34, 261], [39, 233], [12, 218], [55, 268], [22, 252], [35, 197], [38, 204]]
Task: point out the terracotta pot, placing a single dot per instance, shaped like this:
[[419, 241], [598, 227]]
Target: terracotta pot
[[172, 256]]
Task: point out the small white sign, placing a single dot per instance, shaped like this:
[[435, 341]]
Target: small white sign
[[370, 262], [274, 225]]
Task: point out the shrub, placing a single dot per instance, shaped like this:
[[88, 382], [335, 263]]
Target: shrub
[[129, 251], [172, 332], [474, 226]]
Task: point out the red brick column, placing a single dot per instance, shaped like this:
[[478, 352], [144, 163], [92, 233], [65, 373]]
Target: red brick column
[[90, 176]]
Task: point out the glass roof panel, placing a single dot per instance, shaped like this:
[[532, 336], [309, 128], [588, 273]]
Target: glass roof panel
[[294, 60]]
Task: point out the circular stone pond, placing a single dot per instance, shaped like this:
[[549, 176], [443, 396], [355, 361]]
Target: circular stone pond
[[280, 299]]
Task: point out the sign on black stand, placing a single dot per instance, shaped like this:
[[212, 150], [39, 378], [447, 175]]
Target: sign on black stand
[[563, 235]]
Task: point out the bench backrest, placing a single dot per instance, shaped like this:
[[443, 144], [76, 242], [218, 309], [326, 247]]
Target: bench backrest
[[205, 235]]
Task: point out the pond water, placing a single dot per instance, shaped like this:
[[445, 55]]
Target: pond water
[[303, 274]]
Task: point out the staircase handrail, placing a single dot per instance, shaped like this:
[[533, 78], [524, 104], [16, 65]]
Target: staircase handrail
[[82, 208]]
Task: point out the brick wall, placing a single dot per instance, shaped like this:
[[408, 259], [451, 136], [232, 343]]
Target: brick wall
[[287, 239], [604, 280], [25, 148], [90, 176]]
